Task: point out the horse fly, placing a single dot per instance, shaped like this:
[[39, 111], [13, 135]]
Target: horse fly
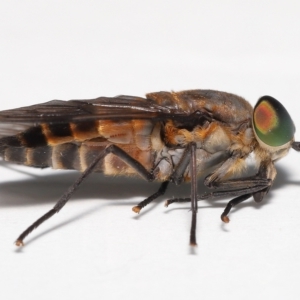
[[166, 137]]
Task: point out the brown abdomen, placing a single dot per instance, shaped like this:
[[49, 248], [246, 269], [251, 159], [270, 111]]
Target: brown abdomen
[[75, 146]]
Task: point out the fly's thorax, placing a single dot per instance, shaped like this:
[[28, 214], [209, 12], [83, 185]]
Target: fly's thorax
[[243, 141], [166, 161], [215, 141], [222, 106], [156, 140], [210, 136], [215, 138]]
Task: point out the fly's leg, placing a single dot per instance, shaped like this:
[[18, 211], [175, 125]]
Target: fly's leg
[[178, 173], [189, 158], [231, 204], [176, 177], [148, 200], [177, 200], [257, 192], [236, 192], [61, 202], [194, 194], [66, 196], [253, 184], [256, 186], [224, 217], [217, 194]]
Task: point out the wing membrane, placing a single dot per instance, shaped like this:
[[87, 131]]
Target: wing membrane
[[121, 107]]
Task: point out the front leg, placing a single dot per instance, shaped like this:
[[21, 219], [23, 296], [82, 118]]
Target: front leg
[[256, 186]]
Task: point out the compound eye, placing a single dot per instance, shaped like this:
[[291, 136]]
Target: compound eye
[[272, 123]]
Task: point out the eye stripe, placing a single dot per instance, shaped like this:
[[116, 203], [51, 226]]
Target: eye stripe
[[272, 123], [265, 117]]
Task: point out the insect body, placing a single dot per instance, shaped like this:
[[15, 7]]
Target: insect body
[[166, 137]]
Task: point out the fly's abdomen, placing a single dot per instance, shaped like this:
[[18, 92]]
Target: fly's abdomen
[[64, 156], [35, 157], [76, 156], [77, 145], [38, 145], [12, 149]]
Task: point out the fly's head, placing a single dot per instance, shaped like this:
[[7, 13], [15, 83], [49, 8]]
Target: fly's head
[[274, 129]]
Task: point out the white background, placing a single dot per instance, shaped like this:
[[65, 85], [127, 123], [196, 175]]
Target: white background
[[96, 248]]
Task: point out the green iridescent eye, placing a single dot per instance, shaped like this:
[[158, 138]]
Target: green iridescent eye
[[272, 123]]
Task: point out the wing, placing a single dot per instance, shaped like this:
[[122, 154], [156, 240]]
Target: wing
[[121, 107], [187, 107], [57, 111]]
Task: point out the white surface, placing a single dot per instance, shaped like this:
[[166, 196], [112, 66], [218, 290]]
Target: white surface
[[98, 249]]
